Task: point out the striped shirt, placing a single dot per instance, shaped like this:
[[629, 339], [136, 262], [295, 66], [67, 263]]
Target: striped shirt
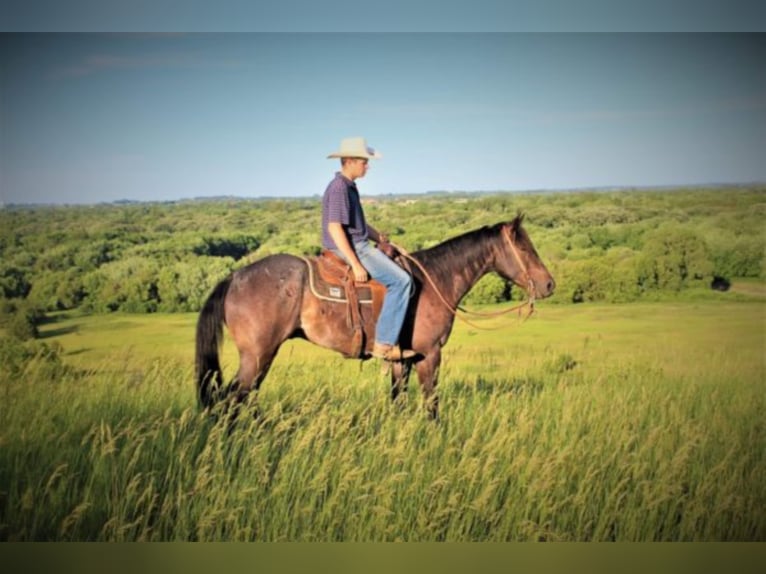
[[341, 204]]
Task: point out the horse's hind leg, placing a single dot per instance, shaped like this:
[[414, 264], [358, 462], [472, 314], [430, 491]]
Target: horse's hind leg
[[254, 365], [253, 368]]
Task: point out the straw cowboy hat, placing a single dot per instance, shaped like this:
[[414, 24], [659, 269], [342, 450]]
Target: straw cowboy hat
[[355, 147]]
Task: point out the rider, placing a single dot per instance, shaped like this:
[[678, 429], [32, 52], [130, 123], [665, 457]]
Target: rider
[[346, 232]]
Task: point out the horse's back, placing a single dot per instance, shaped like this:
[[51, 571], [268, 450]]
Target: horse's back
[[275, 280], [280, 266]]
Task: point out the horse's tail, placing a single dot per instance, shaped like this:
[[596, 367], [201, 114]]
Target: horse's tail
[[209, 336]]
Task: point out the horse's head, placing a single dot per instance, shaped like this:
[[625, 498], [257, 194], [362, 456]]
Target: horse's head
[[517, 261]]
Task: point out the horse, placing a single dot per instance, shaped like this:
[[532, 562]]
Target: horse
[[270, 301]]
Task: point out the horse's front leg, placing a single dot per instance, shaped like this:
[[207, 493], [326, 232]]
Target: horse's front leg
[[400, 376], [428, 375]]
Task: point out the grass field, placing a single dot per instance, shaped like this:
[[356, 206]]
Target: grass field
[[631, 422]]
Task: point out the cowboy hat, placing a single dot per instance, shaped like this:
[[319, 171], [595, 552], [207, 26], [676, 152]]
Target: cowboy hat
[[355, 147]]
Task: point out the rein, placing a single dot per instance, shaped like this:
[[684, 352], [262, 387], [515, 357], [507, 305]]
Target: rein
[[530, 302]]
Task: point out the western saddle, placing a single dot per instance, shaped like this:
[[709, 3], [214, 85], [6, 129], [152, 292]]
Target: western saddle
[[331, 279]]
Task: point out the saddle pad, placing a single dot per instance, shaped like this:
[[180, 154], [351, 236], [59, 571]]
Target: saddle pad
[[328, 284]]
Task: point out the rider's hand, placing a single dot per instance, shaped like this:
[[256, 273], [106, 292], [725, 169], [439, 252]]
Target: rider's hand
[[360, 274]]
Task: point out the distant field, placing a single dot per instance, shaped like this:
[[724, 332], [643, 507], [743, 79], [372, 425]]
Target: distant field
[[750, 288], [606, 332], [591, 422]]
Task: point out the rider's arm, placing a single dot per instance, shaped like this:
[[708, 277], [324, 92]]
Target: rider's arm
[[340, 238]]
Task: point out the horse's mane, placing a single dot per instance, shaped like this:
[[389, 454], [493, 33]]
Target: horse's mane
[[462, 252]]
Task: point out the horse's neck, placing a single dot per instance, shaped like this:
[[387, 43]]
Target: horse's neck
[[456, 269]]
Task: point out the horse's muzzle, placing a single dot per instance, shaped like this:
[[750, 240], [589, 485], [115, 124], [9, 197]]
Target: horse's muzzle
[[546, 288]]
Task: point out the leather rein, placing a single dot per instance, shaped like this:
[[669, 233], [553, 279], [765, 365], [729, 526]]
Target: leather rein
[[530, 289]]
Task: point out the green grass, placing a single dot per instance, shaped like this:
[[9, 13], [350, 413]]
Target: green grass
[[627, 422]]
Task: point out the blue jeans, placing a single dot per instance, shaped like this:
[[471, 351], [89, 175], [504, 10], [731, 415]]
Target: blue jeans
[[398, 284]]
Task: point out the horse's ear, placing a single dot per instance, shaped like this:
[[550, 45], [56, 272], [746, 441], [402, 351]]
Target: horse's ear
[[516, 223]]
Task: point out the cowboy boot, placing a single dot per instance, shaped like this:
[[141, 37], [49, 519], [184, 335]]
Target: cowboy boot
[[392, 353]]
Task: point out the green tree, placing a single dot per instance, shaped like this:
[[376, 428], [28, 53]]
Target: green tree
[[21, 320], [14, 283], [234, 246], [490, 289], [586, 280], [674, 257], [185, 285], [622, 282], [739, 257], [126, 285], [58, 291]]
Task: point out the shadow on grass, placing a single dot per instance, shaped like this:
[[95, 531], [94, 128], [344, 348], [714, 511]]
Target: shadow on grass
[[48, 334], [78, 351]]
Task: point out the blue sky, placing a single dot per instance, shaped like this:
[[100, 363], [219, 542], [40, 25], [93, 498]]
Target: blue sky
[[86, 118], [388, 16]]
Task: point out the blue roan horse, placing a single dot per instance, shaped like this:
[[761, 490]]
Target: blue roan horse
[[270, 301]]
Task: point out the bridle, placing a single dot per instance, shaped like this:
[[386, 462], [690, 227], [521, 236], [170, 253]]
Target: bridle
[[523, 266], [530, 290]]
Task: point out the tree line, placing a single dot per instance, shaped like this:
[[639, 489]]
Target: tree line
[[617, 246]]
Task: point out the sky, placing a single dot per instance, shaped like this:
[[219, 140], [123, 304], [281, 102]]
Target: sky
[[100, 117], [388, 16]]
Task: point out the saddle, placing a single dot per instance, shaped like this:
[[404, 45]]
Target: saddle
[[331, 279]]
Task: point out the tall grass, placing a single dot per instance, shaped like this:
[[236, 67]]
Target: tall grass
[[589, 424]]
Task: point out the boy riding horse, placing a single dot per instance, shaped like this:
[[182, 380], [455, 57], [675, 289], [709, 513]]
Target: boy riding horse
[[346, 232]]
